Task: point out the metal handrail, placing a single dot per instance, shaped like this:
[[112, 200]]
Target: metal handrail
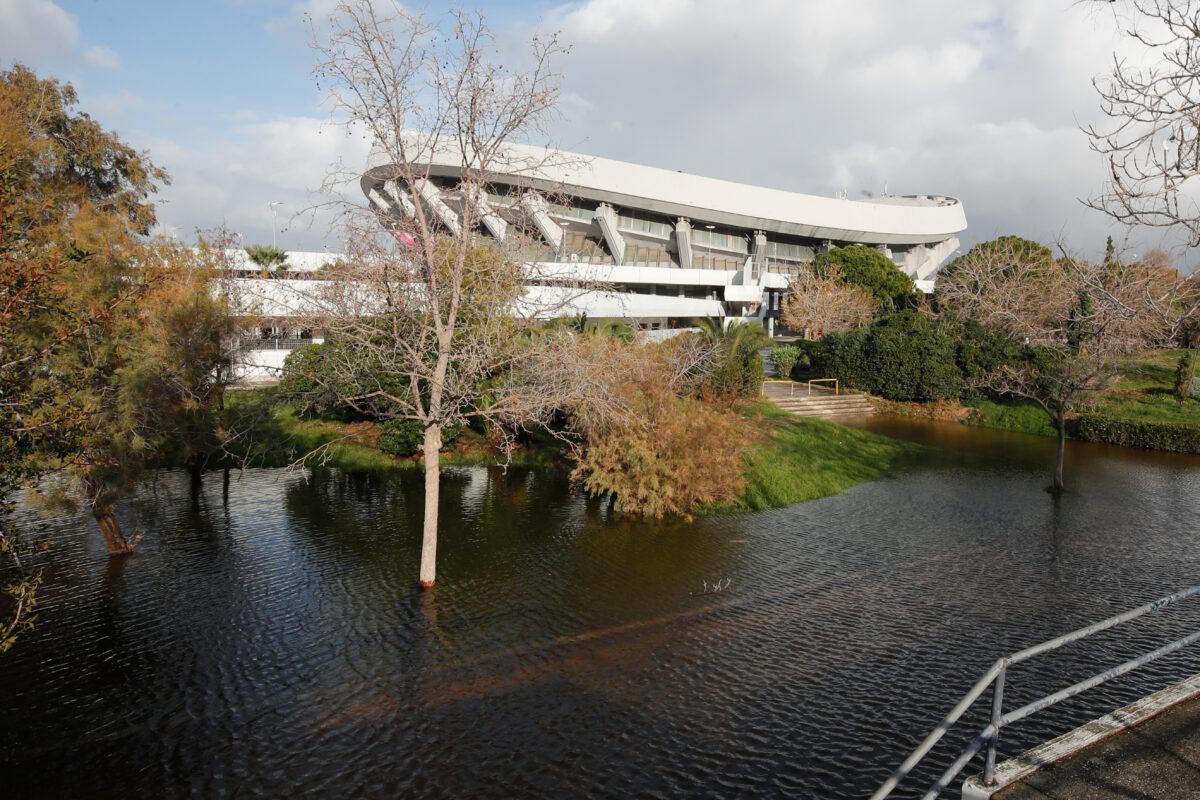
[[834, 381], [994, 677]]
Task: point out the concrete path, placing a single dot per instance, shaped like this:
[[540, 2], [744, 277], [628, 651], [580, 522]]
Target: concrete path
[[1158, 759]]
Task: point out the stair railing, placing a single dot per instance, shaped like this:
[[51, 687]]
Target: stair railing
[[995, 676]]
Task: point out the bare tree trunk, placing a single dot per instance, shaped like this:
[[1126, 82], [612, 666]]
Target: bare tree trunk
[[1061, 421], [433, 446], [110, 529]]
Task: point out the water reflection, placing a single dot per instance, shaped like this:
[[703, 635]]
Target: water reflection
[[267, 637]]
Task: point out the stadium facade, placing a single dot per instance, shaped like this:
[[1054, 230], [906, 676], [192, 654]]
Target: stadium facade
[[669, 246]]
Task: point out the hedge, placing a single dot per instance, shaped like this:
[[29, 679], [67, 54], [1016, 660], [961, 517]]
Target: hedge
[[1176, 437], [899, 357]]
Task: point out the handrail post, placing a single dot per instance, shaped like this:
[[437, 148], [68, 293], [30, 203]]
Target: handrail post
[[989, 768]]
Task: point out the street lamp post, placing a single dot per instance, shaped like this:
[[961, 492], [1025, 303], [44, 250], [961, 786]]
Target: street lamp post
[[710, 235], [274, 220]]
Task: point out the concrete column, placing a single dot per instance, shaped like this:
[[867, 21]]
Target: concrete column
[[491, 220], [385, 199], [381, 205], [535, 205], [433, 201], [612, 237], [683, 241], [400, 198]]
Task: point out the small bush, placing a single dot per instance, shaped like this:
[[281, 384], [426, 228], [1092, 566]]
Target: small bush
[[785, 357], [688, 455], [309, 383], [808, 349], [406, 437], [267, 256], [1173, 436]]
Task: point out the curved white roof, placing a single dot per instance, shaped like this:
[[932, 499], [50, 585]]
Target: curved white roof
[[901, 220]]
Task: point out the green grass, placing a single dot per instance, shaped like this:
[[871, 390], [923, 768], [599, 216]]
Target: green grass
[[1023, 417], [791, 459], [282, 438], [1147, 392], [796, 459], [1144, 393]]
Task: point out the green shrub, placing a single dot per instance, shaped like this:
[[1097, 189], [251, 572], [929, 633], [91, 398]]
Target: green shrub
[[406, 437], [309, 382], [808, 349], [906, 358], [785, 357], [979, 351], [267, 256], [1174, 436], [900, 357], [317, 376], [739, 368], [840, 355], [1185, 376], [872, 270]]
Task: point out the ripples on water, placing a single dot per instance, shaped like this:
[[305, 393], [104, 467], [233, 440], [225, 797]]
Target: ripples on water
[[266, 639]]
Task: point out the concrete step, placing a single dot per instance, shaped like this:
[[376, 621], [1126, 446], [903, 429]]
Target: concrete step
[[825, 405], [822, 398]]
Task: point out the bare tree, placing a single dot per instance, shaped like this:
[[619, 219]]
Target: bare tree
[[426, 307], [1077, 321], [818, 302], [599, 380], [1152, 142]]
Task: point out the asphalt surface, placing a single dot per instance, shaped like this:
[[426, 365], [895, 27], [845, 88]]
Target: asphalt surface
[[1158, 759]]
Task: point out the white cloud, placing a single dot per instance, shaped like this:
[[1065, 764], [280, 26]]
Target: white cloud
[[35, 29], [102, 57], [232, 180], [981, 100]]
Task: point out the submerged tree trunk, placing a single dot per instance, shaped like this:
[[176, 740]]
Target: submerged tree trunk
[[110, 529], [433, 446], [1061, 421], [195, 469]]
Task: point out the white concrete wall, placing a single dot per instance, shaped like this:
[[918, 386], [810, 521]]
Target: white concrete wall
[[887, 220]]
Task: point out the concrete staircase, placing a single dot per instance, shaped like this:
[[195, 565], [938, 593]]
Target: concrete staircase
[[796, 399]]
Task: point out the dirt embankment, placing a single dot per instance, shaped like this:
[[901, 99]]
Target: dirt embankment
[[942, 410]]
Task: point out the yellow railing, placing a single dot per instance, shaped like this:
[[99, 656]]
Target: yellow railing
[[834, 381], [792, 386]]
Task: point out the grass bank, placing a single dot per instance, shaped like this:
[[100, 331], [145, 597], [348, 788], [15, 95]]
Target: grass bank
[[281, 438], [792, 459], [789, 459], [1146, 392], [1138, 409]]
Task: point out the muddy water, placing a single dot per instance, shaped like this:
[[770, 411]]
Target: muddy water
[[266, 639]]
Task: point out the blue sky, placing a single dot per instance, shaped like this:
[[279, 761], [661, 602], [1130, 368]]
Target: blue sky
[[979, 100]]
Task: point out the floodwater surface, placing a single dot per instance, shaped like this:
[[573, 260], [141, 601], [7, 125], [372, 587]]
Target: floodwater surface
[[267, 640]]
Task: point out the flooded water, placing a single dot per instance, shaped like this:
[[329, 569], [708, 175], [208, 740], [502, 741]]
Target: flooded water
[[266, 639]]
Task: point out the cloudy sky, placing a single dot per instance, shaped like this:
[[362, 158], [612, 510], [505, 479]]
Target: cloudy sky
[[982, 100]]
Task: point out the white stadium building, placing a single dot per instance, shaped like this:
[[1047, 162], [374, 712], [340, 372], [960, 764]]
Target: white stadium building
[[667, 247], [672, 246]]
